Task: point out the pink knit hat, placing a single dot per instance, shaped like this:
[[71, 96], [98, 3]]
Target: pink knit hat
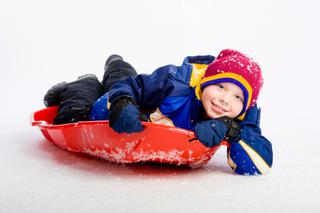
[[235, 67]]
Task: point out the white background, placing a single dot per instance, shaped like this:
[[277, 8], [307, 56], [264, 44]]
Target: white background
[[45, 42]]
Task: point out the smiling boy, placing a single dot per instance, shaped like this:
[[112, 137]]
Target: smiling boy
[[222, 99], [215, 97]]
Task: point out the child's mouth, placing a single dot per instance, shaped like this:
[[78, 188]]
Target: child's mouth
[[217, 108]]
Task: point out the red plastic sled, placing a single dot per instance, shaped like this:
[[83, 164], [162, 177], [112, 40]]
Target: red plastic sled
[[157, 143]]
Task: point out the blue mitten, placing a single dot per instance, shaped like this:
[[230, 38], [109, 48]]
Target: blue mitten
[[211, 132], [253, 115], [124, 116], [252, 119]]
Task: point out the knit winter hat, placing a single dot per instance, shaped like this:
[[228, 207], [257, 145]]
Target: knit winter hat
[[234, 67]]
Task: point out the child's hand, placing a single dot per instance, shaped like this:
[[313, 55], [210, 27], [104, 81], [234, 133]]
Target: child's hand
[[234, 129], [124, 116], [212, 132], [253, 115]]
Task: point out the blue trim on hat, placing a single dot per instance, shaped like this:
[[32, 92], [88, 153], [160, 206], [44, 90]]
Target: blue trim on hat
[[234, 81]]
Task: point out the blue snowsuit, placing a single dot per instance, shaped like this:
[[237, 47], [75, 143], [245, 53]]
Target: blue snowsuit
[[168, 96]]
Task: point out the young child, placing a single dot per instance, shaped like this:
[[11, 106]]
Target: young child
[[215, 97]]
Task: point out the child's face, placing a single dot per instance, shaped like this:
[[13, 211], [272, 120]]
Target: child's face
[[222, 99]]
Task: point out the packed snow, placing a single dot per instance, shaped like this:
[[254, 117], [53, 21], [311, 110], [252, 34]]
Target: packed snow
[[46, 42]]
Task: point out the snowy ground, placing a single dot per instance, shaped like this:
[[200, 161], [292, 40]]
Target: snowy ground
[[45, 42]]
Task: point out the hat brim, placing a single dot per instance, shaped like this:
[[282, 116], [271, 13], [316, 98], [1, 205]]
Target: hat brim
[[230, 78]]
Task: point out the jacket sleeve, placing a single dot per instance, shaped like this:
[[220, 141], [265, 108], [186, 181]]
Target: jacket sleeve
[[252, 155], [149, 90]]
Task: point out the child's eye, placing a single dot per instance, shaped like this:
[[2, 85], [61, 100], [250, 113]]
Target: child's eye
[[220, 86], [239, 98]]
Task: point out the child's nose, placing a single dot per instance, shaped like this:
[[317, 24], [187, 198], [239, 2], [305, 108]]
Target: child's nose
[[224, 100]]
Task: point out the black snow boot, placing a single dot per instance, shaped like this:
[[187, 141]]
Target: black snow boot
[[74, 99], [52, 98], [116, 69]]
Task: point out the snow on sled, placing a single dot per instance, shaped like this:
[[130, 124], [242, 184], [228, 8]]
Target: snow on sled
[[156, 143]]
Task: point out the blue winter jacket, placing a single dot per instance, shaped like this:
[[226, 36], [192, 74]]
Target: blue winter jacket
[[168, 95]]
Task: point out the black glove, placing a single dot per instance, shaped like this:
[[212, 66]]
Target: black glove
[[124, 116], [233, 129]]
